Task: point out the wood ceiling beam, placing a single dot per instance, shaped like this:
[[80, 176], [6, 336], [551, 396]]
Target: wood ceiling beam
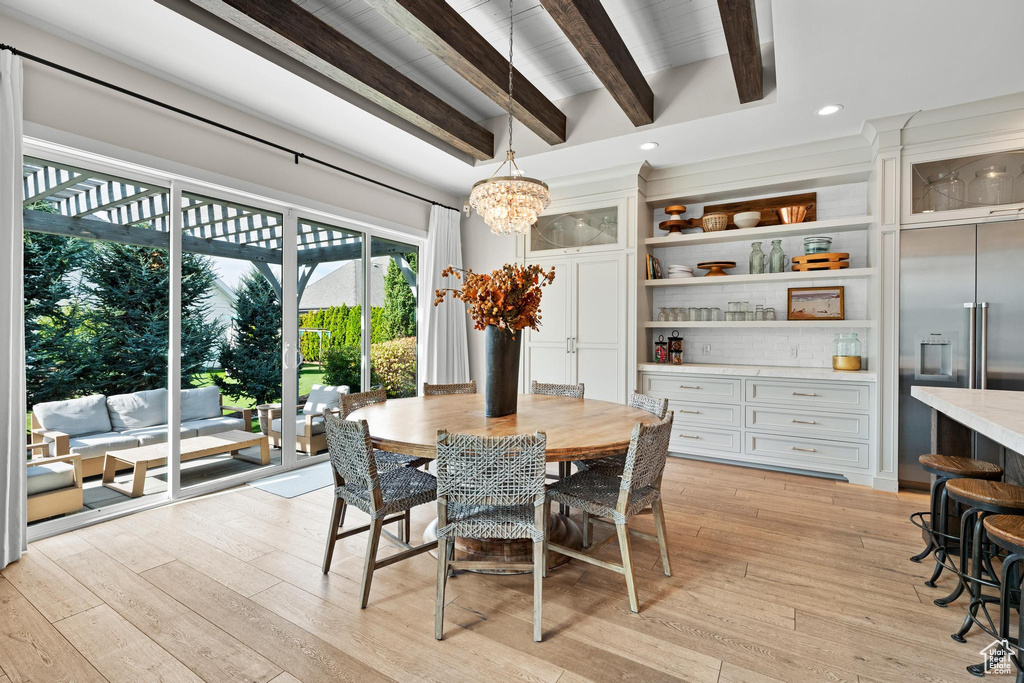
[[287, 27], [739, 20], [589, 28], [442, 30]]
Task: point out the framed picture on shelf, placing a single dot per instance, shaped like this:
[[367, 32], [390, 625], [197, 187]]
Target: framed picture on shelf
[[816, 303]]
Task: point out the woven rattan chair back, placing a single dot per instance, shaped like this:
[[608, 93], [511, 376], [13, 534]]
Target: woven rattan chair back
[[353, 402], [653, 405], [351, 453], [566, 390], [479, 470], [648, 451], [449, 389]]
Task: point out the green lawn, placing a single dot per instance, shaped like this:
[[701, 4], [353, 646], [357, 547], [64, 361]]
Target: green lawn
[[309, 375]]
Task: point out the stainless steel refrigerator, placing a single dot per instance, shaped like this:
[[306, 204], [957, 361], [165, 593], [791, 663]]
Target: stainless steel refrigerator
[[961, 323]]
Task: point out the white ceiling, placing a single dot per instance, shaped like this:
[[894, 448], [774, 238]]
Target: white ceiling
[[877, 57]]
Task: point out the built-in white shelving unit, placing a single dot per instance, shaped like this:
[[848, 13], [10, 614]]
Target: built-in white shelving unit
[[698, 281], [760, 233], [680, 324]]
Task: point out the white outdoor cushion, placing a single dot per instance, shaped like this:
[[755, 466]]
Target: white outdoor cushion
[[197, 404], [300, 425], [95, 445], [137, 410], [157, 434], [216, 425], [51, 477], [322, 396], [74, 416]]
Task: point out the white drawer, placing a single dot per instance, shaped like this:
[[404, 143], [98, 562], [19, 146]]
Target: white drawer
[[686, 438], [693, 388], [799, 451], [845, 395], [710, 414], [809, 422]]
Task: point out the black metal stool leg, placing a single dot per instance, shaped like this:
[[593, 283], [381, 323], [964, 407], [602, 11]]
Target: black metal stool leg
[[931, 520], [1010, 578], [965, 534], [975, 590], [943, 529]]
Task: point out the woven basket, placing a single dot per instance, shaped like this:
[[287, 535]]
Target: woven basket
[[713, 222]]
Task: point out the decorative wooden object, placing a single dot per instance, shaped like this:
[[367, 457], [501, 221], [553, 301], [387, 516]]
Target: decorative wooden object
[[767, 207], [677, 224], [824, 261], [716, 268]]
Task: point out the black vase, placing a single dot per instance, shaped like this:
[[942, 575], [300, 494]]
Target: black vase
[[502, 371]]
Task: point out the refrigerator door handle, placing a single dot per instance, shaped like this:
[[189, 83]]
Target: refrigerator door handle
[[972, 344], [983, 347]]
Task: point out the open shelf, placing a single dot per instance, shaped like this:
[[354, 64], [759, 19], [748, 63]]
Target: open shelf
[[845, 224], [766, 277], [679, 324]]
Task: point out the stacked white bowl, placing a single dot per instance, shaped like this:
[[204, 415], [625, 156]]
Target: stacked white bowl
[[678, 271]]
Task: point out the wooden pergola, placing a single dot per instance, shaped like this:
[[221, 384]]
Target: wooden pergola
[[98, 206]]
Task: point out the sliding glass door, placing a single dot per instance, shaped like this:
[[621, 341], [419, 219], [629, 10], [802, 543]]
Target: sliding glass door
[[394, 320]]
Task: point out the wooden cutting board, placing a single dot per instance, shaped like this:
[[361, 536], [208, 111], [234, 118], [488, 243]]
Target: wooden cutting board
[[765, 206], [825, 257], [828, 265]]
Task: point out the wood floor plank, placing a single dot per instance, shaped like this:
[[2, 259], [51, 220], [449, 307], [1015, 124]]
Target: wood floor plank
[[208, 651], [213, 532], [119, 541], [50, 589], [31, 649], [120, 651], [57, 547]]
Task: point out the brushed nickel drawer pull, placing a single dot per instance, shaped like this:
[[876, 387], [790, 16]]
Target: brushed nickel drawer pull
[[689, 412], [689, 436], [797, 393], [805, 450], [685, 386], [804, 422]]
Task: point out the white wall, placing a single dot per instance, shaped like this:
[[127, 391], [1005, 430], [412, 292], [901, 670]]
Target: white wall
[[71, 111]]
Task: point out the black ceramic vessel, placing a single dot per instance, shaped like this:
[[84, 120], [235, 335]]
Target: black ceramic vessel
[[502, 385]]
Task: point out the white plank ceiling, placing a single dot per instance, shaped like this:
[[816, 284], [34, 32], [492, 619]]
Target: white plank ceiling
[[660, 34]]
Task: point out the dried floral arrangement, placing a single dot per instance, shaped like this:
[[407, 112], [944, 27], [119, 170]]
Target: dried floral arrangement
[[508, 298]]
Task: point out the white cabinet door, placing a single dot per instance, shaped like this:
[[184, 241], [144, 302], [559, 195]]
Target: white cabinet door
[[599, 315], [546, 355]]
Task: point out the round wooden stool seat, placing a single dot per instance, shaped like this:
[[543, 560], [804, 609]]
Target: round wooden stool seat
[[948, 465], [1007, 531], [992, 496]]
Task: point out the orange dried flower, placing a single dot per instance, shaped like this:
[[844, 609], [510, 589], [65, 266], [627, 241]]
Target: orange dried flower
[[508, 298]]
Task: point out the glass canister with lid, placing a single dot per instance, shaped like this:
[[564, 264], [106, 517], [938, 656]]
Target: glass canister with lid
[[846, 352], [817, 245], [991, 185], [675, 348], [945, 192]]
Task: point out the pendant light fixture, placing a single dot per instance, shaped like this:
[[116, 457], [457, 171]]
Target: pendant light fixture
[[511, 203]]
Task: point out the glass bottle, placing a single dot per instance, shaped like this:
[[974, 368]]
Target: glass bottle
[[769, 314], [757, 259], [991, 185], [846, 352], [662, 315], [777, 258]]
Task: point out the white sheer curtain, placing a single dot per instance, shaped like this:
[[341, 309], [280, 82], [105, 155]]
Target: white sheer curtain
[[13, 533], [445, 354]]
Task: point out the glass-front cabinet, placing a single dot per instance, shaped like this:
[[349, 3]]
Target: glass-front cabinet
[[977, 183], [571, 229]]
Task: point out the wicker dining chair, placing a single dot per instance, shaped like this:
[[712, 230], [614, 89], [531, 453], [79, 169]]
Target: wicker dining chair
[[387, 496], [490, 487], [449, 389], [566, 390], [620, 498]]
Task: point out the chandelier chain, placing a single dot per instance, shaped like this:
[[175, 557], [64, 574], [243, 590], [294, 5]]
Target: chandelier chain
[[511, 23]]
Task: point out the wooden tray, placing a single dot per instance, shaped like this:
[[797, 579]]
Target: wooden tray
[[765, 206], [828, 265], [827, 257]]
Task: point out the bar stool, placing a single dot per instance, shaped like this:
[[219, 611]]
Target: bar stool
[[981, 498], [945, 467], [1007, 532]]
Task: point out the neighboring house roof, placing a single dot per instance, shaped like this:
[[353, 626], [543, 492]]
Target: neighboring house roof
[[344, 286]]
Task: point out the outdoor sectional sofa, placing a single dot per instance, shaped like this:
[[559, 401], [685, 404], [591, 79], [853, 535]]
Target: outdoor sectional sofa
[[95, 425]]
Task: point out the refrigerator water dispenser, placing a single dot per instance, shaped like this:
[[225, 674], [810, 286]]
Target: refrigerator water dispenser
[[936, 357]]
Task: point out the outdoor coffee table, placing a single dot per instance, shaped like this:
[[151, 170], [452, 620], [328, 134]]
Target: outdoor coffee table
[[191, 448]]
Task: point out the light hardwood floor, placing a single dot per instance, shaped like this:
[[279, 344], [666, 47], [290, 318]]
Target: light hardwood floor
[[777, 577]]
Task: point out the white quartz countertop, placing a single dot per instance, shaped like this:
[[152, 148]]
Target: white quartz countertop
[[999, 415], [759, 371]]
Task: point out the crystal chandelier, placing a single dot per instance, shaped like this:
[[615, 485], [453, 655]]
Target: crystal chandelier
[[511, 203]]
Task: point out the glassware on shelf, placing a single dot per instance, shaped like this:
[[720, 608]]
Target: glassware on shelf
[[944, 192], [817, 245], [663, 316], [846, 352], [757, 259], [716, 313], [769, 314], [661, 350], [705, 314], [682, 314], [759, 312], [694, 313], [777, 258], [1018, 187], [734, 306], [991, 185]]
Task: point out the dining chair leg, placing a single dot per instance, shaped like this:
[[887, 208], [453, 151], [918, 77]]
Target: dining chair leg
[[337, 519], [587, 529], [407, 527], [659, 526], [547, 534], [563, 473], [442, 577], [627, 566], [373, 540], [538, 578]]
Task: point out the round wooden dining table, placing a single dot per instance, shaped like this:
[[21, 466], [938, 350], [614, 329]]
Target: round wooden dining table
[[576, 429]]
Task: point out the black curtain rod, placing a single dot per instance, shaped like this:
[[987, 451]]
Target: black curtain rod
[[249, 136]]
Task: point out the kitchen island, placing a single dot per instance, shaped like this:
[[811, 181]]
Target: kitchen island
[[998, 415]]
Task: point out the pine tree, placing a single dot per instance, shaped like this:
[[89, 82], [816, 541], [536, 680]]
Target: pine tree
[[354, 327], [252, 361], [399, 302], [128, 289], [57, 353]]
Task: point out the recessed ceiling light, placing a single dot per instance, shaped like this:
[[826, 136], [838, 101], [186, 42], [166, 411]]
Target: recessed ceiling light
[[647, 146], [829, 109]]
